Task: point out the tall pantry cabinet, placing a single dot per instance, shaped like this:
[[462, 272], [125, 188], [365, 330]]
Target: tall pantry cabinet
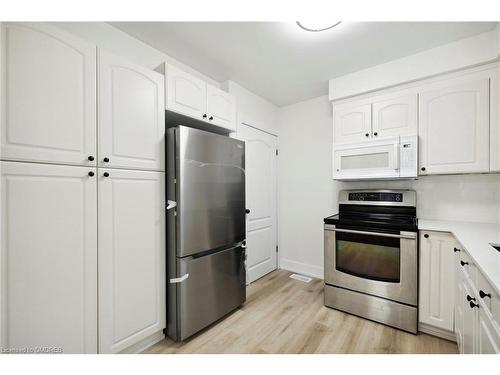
[[82, 195]]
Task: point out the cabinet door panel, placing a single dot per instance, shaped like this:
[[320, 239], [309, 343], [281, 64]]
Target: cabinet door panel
[[351, 123], [436, 302], [131, 115], [222, 107], [470, 318], [488, 340], [186, 94], [454, 127], [49, 257], [495, 124], [395, 116], [48, 95], [131, 258]]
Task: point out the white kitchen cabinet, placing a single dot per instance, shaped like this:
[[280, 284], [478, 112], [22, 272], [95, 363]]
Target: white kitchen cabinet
[[495, 124], [185, 93], [469, 328], [221, 108], [488, 340], [131, 115], [193, 97], [48, 91], [351, 122], [132, 273], [454, 126], [48, 257], [394, 116], [436, 300]]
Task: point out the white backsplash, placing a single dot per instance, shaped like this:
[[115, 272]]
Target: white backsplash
[[474, 197]]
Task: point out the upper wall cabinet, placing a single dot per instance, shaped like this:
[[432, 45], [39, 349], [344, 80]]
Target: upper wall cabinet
[[131, 115], [48, 91], [191, 96], [393, 116], [495, 124], [351, 122], [186, 94], [375, 117], [221, 108], [454, 126]]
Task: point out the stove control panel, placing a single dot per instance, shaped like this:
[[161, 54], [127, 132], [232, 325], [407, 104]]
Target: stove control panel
[[376, 197]]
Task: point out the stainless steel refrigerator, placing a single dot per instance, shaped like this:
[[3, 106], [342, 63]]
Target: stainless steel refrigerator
[[205, 229]]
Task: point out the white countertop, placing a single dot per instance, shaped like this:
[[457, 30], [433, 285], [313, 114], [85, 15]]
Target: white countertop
[[476, 239]]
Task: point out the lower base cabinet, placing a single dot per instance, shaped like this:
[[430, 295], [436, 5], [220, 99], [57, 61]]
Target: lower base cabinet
[[48, 258], [132, 277], [82, 258], [452, 297]]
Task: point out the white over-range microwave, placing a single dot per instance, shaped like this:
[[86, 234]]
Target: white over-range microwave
[[383, 158]]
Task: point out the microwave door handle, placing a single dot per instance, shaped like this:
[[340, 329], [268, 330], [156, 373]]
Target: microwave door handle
[[408, 235]]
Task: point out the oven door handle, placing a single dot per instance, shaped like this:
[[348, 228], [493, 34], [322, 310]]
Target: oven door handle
[[408, 235]]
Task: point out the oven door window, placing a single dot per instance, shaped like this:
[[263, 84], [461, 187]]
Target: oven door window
[[368, 256]]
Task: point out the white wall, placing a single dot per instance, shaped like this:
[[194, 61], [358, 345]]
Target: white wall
[[307, 194], [305, 188], [122, 44], [463, 53]]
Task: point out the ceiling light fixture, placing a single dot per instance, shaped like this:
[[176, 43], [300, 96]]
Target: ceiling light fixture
[[316, 26]]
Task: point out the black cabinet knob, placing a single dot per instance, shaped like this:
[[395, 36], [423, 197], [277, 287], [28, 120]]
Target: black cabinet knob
[[247, 211], [483, 294], [105, 174], [422, 169], [469, 298], [375, 134], [204, 115], [211, 118], [455, 249], [91, 174], [426, 235], [462, 263], [106, 160], [91, 158], [472, 304], [367, 134]]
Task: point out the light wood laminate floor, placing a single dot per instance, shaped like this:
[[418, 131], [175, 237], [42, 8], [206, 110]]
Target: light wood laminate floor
[[282, 315]]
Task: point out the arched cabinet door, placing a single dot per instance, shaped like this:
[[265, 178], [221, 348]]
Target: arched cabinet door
[[221, 108], [454, 126], [48, 91], [131, 115], [395, 115], [352, 122], [186, 94]]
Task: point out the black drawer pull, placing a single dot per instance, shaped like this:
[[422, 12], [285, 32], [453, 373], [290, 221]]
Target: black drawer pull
[[469, 298], [472, 304], [462, 263], [483, 294], [426, 235], [456, 249]]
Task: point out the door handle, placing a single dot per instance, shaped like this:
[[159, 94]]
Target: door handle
[[179, 279], [408, 235]]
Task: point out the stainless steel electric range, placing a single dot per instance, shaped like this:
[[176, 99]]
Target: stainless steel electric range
[[371, 257]]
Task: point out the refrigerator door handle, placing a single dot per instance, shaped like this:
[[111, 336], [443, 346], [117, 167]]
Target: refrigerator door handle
[[171, 204], [179, 279]]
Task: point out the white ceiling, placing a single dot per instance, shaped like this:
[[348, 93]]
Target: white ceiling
[[285, 64]]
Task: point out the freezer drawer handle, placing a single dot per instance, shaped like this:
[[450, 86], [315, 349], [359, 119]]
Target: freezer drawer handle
[[179, 279], [171, 204]]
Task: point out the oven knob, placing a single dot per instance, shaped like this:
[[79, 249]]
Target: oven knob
[[398, 198]]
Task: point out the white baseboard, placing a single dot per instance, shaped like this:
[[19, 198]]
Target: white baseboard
[[144, 343], [434, 331], [302, 268]]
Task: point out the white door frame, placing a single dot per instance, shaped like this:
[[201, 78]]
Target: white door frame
[[244, 119]]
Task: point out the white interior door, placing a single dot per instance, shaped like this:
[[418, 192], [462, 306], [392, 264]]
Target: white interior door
[[48, 257], [260, 166], [131, 257]]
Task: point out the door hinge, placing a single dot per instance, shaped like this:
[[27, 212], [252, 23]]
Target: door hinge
[[276, 248], [276, 152]]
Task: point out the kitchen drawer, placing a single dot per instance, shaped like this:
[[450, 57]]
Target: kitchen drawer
[[492, 302], [467, 265]]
